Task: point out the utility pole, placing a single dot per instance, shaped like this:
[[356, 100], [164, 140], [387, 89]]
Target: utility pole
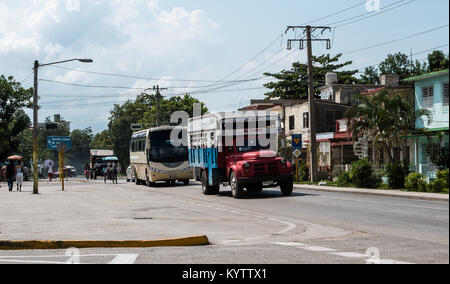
[[308, 30], [158, 102], [35, 117], [35, 130]]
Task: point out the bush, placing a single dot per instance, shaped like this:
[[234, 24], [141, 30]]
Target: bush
[[397, 174], [444, 175], [441, 158], [303, 172], [437, 186], [344, 179], [362, 175], [416, 182]]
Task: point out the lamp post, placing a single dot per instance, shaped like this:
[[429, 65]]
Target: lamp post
[[35, 117]]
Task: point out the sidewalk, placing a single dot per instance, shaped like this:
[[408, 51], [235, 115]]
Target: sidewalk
[[388, 193]]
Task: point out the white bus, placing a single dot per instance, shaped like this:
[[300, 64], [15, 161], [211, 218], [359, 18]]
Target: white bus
[[155, 158]]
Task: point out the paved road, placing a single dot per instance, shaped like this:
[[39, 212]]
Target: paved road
[[309, 227]]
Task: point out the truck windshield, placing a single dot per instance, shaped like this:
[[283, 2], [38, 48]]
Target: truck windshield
[[163, 149], [250, 145]]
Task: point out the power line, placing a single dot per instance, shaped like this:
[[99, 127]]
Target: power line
[[26, 78], [417, 53], [364, 14], [337, 13], [136, 77], [71, 102], [379, 13], [132, 88], [396, 40]]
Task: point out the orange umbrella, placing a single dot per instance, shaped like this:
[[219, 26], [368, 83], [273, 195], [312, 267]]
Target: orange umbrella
[[16, 157]]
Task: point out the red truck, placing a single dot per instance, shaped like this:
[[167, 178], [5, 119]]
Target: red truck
[[238, 150]]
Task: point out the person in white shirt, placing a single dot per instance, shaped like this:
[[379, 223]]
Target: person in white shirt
[[50, 173], [19, 176]]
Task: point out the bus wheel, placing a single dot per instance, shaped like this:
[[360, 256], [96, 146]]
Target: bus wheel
[[236, 188]]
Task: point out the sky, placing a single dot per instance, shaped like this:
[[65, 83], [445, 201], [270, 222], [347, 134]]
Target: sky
[[190, 45]]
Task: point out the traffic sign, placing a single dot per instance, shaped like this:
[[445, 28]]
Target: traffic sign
[[297, 142], [53, 142], [297, 153]]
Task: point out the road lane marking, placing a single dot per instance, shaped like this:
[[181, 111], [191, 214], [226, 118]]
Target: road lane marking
[[349, 254], [31, 261], [385, 203], [124, 259], [366, 257], [118, 258], [290, 226], [318, 249], [288, 244]]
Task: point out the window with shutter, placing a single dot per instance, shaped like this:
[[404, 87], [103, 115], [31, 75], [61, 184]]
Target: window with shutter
[[427, 97]]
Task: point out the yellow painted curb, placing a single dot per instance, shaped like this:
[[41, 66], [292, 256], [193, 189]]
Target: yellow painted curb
[[46, 245]]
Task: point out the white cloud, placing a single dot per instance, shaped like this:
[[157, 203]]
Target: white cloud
[[136, 37]]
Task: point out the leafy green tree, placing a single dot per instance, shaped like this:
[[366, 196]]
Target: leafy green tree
[[370, 76], [13, 120], [386, 117], [80, 153], [437, 61], [293, 84], [143, 111], [400, 64], [102, 141]]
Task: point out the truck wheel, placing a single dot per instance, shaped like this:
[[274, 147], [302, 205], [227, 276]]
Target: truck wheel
[[287, 187], [186, 182], [207, 189], [138, 182], [236, 188]]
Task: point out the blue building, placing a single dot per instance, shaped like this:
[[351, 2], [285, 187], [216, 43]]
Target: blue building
[[431, 93]]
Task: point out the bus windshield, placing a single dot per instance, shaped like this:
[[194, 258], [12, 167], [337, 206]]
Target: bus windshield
[[163, 149]]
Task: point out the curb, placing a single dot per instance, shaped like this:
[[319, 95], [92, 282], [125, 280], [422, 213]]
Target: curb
[[385, 193], [50, 245]]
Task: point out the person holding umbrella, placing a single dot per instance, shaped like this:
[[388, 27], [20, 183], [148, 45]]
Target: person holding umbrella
[[17, 172]]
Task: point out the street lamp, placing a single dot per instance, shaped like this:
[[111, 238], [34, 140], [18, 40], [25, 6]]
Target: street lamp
[[35, 117]]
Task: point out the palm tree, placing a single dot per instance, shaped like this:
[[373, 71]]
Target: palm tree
[[387, 117]]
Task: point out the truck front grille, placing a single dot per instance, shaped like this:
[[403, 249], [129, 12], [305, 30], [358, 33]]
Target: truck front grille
[[266, 169]]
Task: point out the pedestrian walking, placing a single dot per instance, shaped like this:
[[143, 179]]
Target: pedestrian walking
[[50, 173], [10, 176], [19, 176]]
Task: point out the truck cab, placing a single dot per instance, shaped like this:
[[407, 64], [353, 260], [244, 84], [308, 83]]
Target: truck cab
[[237, 150]]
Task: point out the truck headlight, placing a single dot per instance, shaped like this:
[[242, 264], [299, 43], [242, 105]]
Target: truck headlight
[[247, 165], [284, 162]]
